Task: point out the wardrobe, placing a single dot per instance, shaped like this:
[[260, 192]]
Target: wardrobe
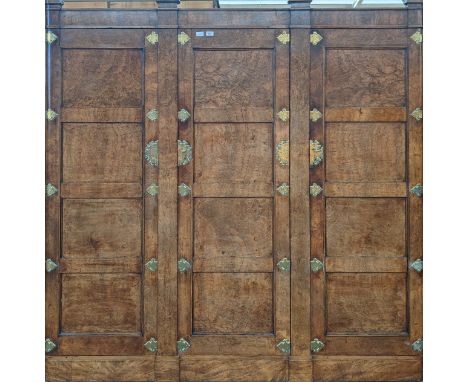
[[234, 194]]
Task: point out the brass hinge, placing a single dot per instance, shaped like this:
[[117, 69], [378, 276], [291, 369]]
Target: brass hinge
[[183, 265], [284, 38], [417, 189], [417, 37], [184, 152], [316, 265], [51, 37], [283, 189], [282, 152], [417, 114], [151, 345], [183, 115], [50, 265], [417, 345], [152, 265], [315, 190], [50, 190], [283, 114], [315, 38], [51, 115], [315, 152], [183, 38], [417, 265], [152, 189], [316, 345], [152, 38], [284, 265], [183, 345], [315, 115], [152, 115], [152, 153], [49, 345], [184, 189], [284, 346]]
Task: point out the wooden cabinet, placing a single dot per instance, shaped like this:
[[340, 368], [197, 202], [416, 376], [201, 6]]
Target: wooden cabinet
[[233, 195]]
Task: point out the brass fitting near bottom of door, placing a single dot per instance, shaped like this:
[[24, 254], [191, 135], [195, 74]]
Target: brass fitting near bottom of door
[[183, 345], [49, 345], [151, 345], [284, 346], [316, 345], [417, 345]]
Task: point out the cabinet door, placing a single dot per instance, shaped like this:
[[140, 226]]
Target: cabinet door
[[102, 220], [233, 215], [366, 223]]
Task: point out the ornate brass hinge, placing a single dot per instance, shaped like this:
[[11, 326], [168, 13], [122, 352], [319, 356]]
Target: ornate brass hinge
[[152, 115], [417, 265], [283, 189], [50, 265], [50, 190], [184, 152], [283, 114], [284, 346], [152, 38], [315, 38], [152, 265], [282, 152], [284, 265], [315, 115], [315, 152], [51, 37], [151, 345], [417, 114], [51, 115], [315, 190], [183, 345], [316, 265], [152, 153], [284, 38], [183, 38], [417, 189], [49, 345], [152, 189], [183, 115], [184, 189], [183, 265], [417, 37], [316, 345], [417, 345]]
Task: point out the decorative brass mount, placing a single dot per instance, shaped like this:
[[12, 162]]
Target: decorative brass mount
[[282, 152], [151, 345], [152, 265], [316, 265], [417, 114], [283, 189], [51, 115], [183, 265], [316, 345], [183, 345], [283, 114], [283, 38], [152, 38], [417, 265], [184, 189], [284, 265], [315, 190], [152, 115], [284, 346], [315, 115], [49, 345], [183, 38], [417, 189], [417, 345], [152, 189], [183, 115], [315, 38], [51, 37], [184, 152], [315, 152], [50, 190], [152, 153], [417, 37], [50, 265]]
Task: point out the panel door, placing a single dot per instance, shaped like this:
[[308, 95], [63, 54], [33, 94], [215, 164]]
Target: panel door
[[365, 161], [102, 215], [233, 221]]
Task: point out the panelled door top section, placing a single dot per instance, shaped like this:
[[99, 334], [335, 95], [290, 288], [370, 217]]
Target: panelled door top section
[[234, 195]]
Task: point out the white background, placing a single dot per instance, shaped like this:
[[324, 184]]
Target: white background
[[22, 191]]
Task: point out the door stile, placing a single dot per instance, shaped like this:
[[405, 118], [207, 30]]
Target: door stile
[[150, 198], [281, 203], [415, 177], [185, 203]]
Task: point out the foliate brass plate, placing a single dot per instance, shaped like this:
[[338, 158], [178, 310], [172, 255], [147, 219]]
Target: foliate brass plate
[[316, 153], [282, 152], [183, 115], [417, 114], [417, 37], [315, 38], [417, 265], [284, 346], [50, 265], [49, 345], [283, 114], [152, 38], [152, 265], [50, 190], [316, 345], [283, 189], [283, 38], [418, 345], [315, 190], [184, 152], [51, 115], [182, 345], [316, 265], [183, 265], [152, 153], [152, 189], [184, 190], [315, 115], [51, 37], [284, 265], [183, 38], [417, 190], [152, 115], [151, 345]]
